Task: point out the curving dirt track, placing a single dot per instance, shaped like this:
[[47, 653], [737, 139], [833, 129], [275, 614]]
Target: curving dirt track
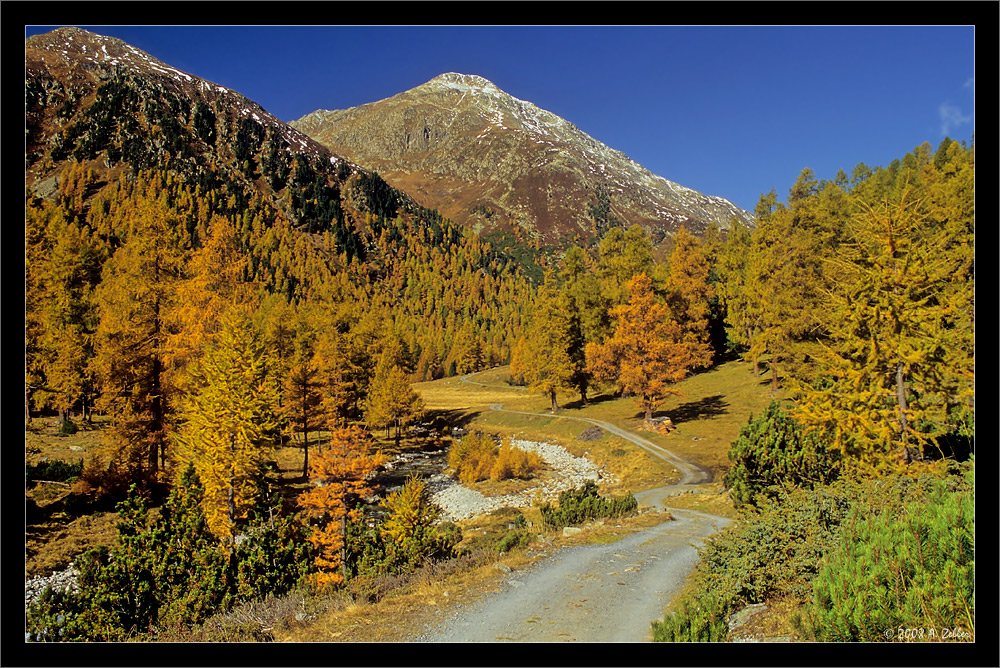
[[593, 593]]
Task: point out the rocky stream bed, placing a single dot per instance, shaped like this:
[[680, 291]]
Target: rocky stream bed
[[458, 502]]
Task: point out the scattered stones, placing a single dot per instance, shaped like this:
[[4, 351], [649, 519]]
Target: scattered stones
[[64, 580], [459, 502], [591, 434], [741, 617], [571, 531]]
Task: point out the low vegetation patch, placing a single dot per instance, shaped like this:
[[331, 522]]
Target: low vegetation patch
[[579, 505], [477, 457], [859, 555], [772, 452], [407, 538], [169, 571], [53, 471]]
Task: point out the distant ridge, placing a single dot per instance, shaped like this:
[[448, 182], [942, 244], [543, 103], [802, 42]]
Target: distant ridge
[[487, 159]]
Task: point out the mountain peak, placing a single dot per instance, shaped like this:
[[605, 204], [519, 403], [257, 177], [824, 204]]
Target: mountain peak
[[67, 67], [487, 159], [76, 44], [463, 82]]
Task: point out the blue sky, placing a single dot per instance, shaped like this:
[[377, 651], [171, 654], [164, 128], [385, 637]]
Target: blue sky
[[729, 111]]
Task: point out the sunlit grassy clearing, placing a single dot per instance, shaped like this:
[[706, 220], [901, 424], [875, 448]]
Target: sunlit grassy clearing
[[710, 409]]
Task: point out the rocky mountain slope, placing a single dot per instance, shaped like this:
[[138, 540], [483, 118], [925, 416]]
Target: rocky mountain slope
[[97, 101], [486, 159]]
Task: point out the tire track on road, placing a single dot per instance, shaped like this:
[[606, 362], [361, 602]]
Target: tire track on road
[[608, 592]]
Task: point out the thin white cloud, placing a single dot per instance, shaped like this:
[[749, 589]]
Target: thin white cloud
[[951, 117]]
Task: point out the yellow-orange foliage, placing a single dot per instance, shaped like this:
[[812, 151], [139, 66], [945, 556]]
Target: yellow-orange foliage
[[472, 457], [647, 353], [342, 473], [513, 462], [476, 458]]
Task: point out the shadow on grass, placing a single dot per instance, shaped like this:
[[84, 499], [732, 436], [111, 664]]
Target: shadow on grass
[[452, 418], [599, 399], [706, 407]]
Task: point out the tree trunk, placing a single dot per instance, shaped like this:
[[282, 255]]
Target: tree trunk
[[305, 455], [774, 378], [343, 546], [555, 406], [901, 401]]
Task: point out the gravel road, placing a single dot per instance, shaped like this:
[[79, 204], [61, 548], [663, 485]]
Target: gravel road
[[593, 593]]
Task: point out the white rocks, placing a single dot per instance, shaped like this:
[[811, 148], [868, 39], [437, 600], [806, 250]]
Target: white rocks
[[568, 472], [64, 580]]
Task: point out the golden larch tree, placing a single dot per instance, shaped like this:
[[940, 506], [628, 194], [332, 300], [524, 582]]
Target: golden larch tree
[[887, 384], [342, 475], [228, 422], [647, 353], [135, 293]]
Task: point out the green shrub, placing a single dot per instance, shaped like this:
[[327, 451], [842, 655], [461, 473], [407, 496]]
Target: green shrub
[[275, 557], [770, 550], [518, 535], [56, 470], [584, 503], [696, 619], [365, 547], [406, 538], [169, 572], [772, 452], [909, 567], [821, 543], [513, 540], [54, 617]]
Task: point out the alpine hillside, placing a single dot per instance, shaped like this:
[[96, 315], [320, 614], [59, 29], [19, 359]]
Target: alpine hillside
[[488, 160], [105, 121], [100, 103]]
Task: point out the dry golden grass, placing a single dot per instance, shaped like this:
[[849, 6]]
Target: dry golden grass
[[51, 544], [407, 608], [427, 595], [54, 534], [711, 499], [455, 394], [772, 623], [710, 409], [42, 441]]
